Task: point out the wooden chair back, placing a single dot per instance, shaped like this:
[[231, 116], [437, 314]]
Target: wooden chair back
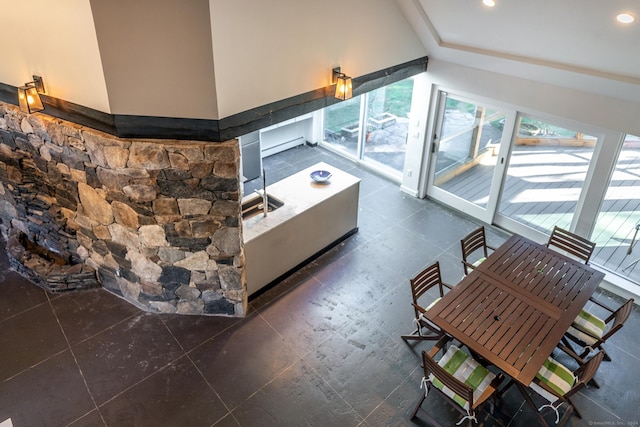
[[458, 387], [585, 373], [619, 318], [428, 278], [424, 281], [472, 242], [571, 243]]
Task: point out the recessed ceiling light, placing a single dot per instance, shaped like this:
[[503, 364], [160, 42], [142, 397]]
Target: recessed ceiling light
[[489, 3], [626, 18]]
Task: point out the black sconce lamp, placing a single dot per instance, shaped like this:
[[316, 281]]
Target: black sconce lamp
[[343, 84], [28, 96]]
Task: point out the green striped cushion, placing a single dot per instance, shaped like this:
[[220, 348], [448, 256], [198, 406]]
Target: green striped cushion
[[556, 376], [466, 369], [433, 303], [590, 324], [427, 309], [582, 336], [478, 262]]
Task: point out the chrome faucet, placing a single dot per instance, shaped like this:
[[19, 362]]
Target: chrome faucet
[[265, 198]]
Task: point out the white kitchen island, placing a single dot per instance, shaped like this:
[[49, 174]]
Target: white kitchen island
[[314, 217]]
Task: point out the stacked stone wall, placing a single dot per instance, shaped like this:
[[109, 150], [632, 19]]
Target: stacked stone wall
[[158, 220]]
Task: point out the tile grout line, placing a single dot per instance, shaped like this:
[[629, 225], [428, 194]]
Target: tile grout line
[[34, 365], [197, 368], [75, 360], [24, 311]]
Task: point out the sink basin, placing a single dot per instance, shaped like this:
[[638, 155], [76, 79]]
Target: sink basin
[[253, 206]]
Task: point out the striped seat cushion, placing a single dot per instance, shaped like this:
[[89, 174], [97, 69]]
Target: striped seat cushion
[[433, 303], [427, 309], [582, 336], [556, 376], [466, 369], [590, 324], [479, 261]]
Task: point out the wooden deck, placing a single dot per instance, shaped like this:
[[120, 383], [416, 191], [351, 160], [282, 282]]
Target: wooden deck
[[542, 190]]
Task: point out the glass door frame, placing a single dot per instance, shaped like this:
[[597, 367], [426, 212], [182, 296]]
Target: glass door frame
[[432, 191]]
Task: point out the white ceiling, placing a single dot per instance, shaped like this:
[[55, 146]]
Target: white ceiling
[[576, 36]]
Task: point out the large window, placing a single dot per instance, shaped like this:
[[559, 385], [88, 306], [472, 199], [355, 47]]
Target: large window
[[617, 229], [547, 169], [342, 125], [372, 127]]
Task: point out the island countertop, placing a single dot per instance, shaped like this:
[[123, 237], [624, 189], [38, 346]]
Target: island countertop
[[299, 193]]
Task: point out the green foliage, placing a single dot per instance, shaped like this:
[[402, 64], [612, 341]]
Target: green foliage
[[397, 101]]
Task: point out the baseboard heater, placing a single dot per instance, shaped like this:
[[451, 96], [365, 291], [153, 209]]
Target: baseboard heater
[[281, 146]]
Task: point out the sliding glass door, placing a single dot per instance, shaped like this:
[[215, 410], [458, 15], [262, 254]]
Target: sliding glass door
[[517, 171], [465, 154]]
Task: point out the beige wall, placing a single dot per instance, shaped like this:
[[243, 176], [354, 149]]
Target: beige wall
[[157, 57], [59, 44], [271, 50]]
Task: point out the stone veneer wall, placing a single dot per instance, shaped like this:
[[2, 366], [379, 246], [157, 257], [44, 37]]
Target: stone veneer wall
[[158, 220]]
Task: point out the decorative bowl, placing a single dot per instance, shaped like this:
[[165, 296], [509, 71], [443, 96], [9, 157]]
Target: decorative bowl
[[320, 176]]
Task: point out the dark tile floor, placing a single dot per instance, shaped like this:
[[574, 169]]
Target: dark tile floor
[[322, 348]]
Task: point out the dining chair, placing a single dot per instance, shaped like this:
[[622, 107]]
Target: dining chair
[[427, 279], [556, 383], [461, 380], [474, 249], [571, 243], [590, 332]]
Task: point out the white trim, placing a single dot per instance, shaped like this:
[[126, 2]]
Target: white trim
[[411, 191]]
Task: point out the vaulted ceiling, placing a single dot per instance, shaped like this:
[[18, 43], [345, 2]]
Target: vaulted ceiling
[[569, 37]]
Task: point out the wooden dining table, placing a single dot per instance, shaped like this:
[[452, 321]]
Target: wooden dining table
[[513, 309]]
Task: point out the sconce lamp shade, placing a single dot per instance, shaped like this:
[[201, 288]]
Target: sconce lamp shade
[[29, 99], [343, 84], [343, 87]]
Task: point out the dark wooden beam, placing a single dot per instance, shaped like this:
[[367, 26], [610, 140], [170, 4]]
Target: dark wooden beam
[[143, 127]]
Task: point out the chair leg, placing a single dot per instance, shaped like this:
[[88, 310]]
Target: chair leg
[[418, 337], [572, 408], [567, 415], [415, 335], [526, 396], [505, 388], [415, 411]]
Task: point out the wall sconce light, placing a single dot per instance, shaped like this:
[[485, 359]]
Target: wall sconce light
[[28, 96], [343, 84]]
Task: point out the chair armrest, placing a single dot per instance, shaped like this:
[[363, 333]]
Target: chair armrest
[[570, 352], [606, 307], [467, 264], [446, 285], [419, 308], [441, 344]]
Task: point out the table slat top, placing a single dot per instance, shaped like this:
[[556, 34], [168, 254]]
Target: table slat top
[[514, 308]]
